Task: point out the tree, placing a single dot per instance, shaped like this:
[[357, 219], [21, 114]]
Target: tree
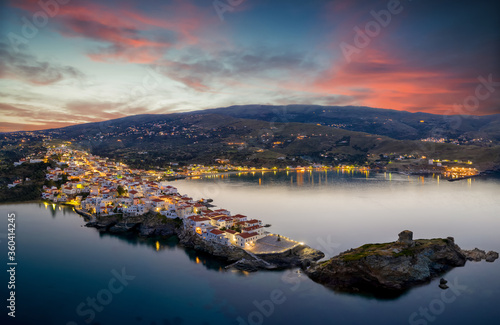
[[120, 190]]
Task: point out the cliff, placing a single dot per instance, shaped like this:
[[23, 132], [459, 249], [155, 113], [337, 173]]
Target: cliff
[[148, 225]]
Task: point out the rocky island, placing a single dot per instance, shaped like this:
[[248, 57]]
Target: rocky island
[[393, 267]]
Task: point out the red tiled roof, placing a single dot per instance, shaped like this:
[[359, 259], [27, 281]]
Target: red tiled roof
[[247, 234], [197, 218], [248, 229]]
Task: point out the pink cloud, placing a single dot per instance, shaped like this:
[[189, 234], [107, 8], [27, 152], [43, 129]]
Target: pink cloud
[[125, 32], [383, 76]]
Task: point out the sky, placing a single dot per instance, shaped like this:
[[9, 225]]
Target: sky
[[65, 62]]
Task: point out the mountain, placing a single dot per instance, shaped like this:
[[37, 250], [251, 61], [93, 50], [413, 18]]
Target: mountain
[[256, 135], [271, 138], [395, 124]]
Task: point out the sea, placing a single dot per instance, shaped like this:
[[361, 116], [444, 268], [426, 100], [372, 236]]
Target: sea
[[68, 274]]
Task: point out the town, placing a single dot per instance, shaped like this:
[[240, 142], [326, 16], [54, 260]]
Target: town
[[100, 187]]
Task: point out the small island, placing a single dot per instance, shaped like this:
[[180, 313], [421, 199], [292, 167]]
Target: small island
[[392, 268]]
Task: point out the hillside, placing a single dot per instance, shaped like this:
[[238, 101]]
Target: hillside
[[395, 124], [158, 140]]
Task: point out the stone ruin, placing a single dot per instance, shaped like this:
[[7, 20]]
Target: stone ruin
[[406, 237]]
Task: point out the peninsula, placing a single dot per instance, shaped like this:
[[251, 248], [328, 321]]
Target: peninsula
[[117, 199]]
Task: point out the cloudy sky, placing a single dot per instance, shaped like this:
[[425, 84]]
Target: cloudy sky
[[68, 61]]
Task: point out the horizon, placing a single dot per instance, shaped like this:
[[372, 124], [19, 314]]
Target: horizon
[[214, 108], [72, 63]]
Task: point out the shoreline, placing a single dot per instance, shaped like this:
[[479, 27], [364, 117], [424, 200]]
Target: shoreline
[[349, 271], [147, 226]]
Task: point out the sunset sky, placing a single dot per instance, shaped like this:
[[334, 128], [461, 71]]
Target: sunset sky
[[87, 61]]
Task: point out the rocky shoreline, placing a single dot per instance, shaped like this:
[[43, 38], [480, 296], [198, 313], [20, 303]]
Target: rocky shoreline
[[390, 268], [393, 267], [150, 225]]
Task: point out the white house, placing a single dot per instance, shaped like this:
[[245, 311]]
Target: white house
[[183, 210], [69, 190], [196, 221], [218, 236], [231, 235], [169, 213], [245, 239], [157, 204]]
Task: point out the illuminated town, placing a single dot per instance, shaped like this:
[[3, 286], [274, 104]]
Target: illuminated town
[[100, 187]]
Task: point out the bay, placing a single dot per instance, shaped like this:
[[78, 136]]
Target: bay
[[62, 264]]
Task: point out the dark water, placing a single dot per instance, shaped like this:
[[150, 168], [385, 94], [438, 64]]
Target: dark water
[[61, 264]]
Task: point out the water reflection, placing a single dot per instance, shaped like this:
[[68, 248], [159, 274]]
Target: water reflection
[[55, 208], [208, 261], [309, 178]]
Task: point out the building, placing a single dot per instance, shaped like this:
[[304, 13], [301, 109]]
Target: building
[[246, 239]]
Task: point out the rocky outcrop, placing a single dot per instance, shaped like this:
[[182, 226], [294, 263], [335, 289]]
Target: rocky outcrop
[[152, 225], [101, 225], [394, 266], [148, 225], [229, 253], [122, 227], [478, 255], [300, 256]]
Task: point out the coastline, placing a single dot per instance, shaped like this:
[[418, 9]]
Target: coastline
[[368, 269], [147, 226]]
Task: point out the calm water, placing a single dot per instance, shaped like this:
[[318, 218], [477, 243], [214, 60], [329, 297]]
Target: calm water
[[62, 263]]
